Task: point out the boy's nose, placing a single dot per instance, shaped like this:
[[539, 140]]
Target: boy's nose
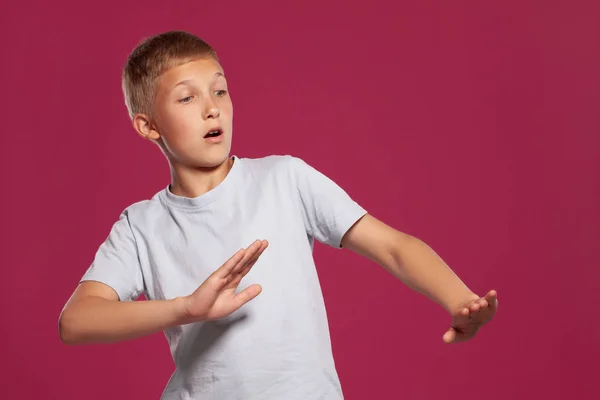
[[211, 111]]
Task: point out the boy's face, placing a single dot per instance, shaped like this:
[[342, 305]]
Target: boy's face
[[193, 114]]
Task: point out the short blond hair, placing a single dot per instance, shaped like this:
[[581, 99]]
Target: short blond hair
[[153, 56]]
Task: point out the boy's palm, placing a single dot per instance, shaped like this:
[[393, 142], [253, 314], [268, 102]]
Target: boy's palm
[[216, 297], [475, 313]]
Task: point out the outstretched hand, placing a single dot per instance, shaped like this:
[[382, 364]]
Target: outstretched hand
[[471, 316], [216, 297]]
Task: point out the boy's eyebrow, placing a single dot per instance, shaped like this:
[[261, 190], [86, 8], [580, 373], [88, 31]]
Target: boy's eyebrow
[[186, 81]]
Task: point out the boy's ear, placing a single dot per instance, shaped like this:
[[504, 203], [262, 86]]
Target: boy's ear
[[144, 127]]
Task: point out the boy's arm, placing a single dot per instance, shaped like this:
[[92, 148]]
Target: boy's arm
[[420, 268], [94, 313]]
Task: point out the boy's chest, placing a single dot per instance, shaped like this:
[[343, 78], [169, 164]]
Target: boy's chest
[[188, 247]]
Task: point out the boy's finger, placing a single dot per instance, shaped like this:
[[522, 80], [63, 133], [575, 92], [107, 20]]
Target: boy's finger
[[250, 251], [252, 256], [238, 276], [474, 308], [230, 264], [462, 317], [264, 245], [491, 297], [247, 269], [449, 336], [256, 256], [246, 295]]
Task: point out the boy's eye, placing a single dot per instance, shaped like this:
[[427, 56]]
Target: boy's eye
[[186, 99], [220, 93]]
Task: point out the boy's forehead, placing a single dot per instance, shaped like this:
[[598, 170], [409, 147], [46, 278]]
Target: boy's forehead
[[201, 70]]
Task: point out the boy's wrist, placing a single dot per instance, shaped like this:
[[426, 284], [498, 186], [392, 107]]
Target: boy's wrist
[[179, 311]]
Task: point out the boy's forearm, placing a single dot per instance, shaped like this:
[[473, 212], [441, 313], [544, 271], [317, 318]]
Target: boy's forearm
[[97, 320], [421, 269]]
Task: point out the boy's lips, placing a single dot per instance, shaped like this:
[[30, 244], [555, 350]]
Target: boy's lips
[[214, 135], [215, 131]]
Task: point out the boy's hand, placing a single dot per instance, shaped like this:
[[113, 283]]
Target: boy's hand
[[471, 316], [216, 298]]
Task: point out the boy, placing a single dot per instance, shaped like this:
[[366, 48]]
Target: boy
[[221, 210]]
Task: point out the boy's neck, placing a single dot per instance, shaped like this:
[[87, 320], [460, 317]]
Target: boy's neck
[[191, 183]]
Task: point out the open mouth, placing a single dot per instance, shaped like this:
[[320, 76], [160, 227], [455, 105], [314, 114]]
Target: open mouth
[[214, 133]]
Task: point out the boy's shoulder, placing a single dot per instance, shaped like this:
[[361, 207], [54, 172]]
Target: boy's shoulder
[[270, 162], [276, 164], [145, 207]]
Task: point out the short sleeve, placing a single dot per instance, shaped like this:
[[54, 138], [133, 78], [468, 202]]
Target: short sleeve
[[329, 212], [116, 263]]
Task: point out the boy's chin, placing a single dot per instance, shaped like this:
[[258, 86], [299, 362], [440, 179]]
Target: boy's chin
[[212, 161]]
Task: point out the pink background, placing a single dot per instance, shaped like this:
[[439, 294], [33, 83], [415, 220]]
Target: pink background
[[471, 125]]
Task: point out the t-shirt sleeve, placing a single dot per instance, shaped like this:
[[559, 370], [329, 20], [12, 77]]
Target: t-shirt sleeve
[[116, 263], [329, 212]]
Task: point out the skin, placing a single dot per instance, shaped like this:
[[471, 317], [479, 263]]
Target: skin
[[190, 100], [421, 269]]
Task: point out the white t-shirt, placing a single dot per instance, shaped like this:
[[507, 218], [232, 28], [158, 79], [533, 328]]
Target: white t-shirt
[[277, 346]]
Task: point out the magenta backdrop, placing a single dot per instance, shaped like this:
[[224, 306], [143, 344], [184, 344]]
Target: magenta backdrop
[[471, 125]]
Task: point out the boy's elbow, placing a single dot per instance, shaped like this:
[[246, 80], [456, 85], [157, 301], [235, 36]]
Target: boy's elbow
[[66, 333]]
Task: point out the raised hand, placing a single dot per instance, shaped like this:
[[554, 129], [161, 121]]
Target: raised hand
[[216, 297], [469, 318]]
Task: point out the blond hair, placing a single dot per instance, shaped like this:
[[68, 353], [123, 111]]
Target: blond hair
[[153, 56]]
